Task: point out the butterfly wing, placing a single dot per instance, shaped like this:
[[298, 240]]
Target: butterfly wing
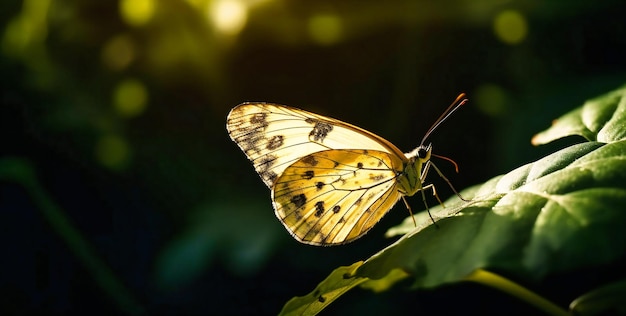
[[335, 196], [273, 136]]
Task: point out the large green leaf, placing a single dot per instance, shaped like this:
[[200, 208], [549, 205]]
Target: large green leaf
[[562, 212], [601, 119], [543, 217]]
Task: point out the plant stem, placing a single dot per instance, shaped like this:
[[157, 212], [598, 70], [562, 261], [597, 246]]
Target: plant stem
[[495, 281]]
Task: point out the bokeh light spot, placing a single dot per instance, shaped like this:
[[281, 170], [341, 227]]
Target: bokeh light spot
[[130, 98], [137, 12], [17, 36], [491, 99], [26, 29], [325, 29], [510, 27], [118, 52], [197, 3], [112, 152], [228, 16]]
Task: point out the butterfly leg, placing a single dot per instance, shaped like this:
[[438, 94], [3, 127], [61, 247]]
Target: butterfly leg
[[408, 207], [422, 189], [448, 182], [432, 187]]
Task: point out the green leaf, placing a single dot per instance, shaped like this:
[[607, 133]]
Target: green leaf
[[560, 213], [600, 119], [338, 282], [383, 284], [603, 301], [543, 217]]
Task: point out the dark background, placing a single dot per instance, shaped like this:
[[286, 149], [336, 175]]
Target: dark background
[[121, 190]]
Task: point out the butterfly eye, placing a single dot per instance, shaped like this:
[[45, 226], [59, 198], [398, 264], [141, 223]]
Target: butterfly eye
[[422, 152]]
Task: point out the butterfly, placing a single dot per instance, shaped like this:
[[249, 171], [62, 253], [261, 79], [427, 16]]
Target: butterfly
[[330, 181]]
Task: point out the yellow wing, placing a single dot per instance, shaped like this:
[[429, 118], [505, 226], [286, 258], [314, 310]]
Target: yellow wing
[[331, 181], [274, 136], [335, 196]]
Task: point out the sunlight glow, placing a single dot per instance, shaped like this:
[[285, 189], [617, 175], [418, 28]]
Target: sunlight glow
[[27, 29], [130, 98], [112, 152], [228, 16], [510, 27], [325, 29], [118, 52], [491, 99], [137, 12]]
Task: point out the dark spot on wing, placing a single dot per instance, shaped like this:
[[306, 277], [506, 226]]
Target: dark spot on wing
[[250, 142], [319, 185], [269, 176], [258, 119], [357, 202], [321, 299], [309, 174], [310, 160], [248, 132], [376, 177], [319, 208], [336, 209], [320, 130], [265, 163], [359, 165], [323, 237], [299, 200], [263, 168], [275, 142]]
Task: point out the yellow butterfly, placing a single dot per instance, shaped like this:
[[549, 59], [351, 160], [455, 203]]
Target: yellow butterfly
[[331, 181]]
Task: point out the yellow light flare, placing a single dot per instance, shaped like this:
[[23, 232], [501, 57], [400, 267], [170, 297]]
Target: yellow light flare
[[491, 99], [510, 27], [130, 98], [27, 29], [137, 12], [228, 16], [113, 152], [118, 52], [325, 29]]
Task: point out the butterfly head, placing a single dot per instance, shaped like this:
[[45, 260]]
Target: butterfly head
[[421, 154], [410, 180]]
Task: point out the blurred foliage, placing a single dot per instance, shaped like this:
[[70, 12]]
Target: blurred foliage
[[120, 106]]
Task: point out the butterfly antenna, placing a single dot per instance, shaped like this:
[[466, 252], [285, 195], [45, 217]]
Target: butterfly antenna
[[460, 100], [456, 167]]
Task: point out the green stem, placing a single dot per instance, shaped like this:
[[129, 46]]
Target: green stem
[[495, 281]]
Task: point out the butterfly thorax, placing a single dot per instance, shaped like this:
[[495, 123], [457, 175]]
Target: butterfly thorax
[[410, 181]]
